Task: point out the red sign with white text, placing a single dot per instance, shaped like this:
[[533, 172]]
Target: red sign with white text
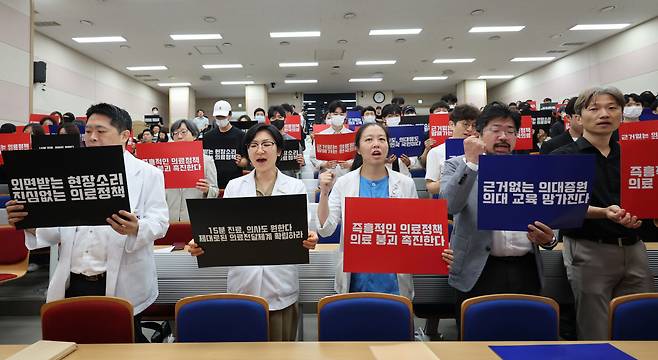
[[338, 147], [439, 129], [524, 138], [407, 240], [181, 162], [639, 168], [533, 105], [12, 142], [293, 126], [317, 128]]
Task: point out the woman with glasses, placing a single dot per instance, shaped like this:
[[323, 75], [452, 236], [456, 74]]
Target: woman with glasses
[[185, 130], [462, 125], [373, 179], [278, 284]]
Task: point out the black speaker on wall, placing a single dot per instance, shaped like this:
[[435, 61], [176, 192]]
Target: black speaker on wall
[[39, 72]]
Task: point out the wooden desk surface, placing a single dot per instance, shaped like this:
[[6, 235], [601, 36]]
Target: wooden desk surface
[[444, 350]]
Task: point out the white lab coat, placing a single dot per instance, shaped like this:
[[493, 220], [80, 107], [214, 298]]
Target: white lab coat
[[176, 198], [399, 186], [130, 263], [278, 284]]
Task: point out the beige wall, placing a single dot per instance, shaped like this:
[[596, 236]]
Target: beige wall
[[626, 60], [15, 60], [75, 81]]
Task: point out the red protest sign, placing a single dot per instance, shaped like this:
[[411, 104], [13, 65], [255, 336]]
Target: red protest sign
[[317, 128], [524, 139], [293, 126], [12, 142], [181, 162], [409, 240], [533, 105], [439, 129], [639, 168], [338, 147]]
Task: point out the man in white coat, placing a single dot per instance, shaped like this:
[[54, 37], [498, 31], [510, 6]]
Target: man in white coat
[[114, 259]]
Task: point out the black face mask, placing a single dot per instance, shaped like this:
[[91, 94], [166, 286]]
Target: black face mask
[[278, 123]]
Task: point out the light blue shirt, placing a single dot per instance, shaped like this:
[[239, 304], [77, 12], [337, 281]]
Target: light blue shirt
[[374, 282]]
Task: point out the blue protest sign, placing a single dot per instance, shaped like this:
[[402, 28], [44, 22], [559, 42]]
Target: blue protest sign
[[406, 139], [517, 190], [354, 118], [454, 147]]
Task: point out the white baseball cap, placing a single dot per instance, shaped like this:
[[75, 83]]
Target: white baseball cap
[[222, 108]]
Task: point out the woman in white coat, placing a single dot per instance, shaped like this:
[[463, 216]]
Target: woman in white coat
[[185, 130], [278, 284]]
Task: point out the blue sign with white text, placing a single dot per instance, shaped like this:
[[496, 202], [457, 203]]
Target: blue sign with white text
[[517, 190], [406, 139], [454, 148], [354, 118]]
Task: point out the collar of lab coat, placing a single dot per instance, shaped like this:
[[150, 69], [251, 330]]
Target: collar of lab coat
[[281, 185], [133, 179]]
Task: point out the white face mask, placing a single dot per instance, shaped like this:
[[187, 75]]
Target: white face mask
[[393, 121], [222, 123], [259, 118], [337, 120], [155, 112], [632, 111], [369, 119]]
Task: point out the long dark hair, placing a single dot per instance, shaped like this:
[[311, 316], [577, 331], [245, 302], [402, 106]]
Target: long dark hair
[[358, 159]]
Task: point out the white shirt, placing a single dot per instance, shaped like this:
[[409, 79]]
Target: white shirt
[[200, 122], [436, 157], [338, 170], [89, 256], [177, 198]]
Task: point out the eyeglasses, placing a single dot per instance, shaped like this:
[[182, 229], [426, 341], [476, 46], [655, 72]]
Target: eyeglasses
[[467, 124], [266, 145], [498, 131], [181, 132]]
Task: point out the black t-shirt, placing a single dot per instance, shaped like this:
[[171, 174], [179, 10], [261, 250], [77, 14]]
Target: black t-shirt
[[605, 192], [223, 148], [555, 143]]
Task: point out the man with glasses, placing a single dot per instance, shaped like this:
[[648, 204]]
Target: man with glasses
[[489, 262], [462, 125]]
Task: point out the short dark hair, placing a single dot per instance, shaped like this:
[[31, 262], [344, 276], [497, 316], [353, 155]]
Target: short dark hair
[[449, 98], [647, 98], [155, 108], [358, 159], [197, 110], [46, 118], [273, 110], [548, 99], [512, 104], [439, 104], [37, 129], [633, 96], [154, 125], [7, 128], [259, 109], [398, 100], [335, 105], [654, 105], [289, 108], [497, 110], [586, 96], [391, 109], [367, 108], [146, 130], [408, 109], [271, 129], [119, 118], [570, 108], [70, 128], [245, 116], [68, 117], [188, 124], [464, 112]]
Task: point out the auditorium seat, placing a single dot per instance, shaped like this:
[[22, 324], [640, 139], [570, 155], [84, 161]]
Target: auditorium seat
[[510, 317], [14, 255], [634, 317], [222, 318], [88, 320], [365, 316], [417, 173]]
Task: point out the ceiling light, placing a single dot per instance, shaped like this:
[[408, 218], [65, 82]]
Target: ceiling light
[[366, 80], [485, 77], [175, 84], [395, 32], [422, 78], [290, 34], [348, 100], [298, 64], [196, 36], [485, 29], [309, 101], [607, 8], [227, 44], [376, 62], [349, 16], [477, 12], [453, 61], [400, 40], [222, 66], [529, 59], [448, 38], [284, 43], [599, 26], [124, 46], [146, 68], [86, 22], [420, 101], [247, 82], [342, 41], [310, 81], [494, 37], [169, 46], [210, 19], [99, 39]]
